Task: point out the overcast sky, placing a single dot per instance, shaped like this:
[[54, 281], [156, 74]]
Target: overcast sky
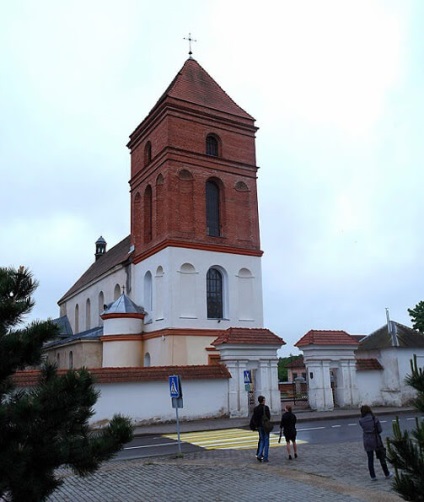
[[336, 88]]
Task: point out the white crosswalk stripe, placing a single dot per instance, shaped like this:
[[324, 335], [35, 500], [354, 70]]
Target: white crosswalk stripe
[[228, 439]]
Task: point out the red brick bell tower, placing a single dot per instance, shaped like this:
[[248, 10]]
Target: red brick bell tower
[[193, 171]]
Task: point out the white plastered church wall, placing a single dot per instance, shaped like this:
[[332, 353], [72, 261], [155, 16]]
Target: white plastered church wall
[[106, 285], [184, 301]]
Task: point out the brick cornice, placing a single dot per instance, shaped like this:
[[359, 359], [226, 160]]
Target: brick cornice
[[126, 315], [181, 332], [121, 338], [198, 246]]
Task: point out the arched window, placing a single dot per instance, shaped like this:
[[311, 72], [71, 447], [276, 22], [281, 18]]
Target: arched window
[[212, 209], [148, 214], [159, 300], [87, 314], [101, 304], [148, 293], [146, 360], [136, 221], [71, 360], [214, 294], [76, 318], [147, 153], [116, 292], [212, 145]]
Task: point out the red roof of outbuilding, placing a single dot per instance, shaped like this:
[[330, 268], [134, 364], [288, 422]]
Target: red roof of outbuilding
[[368, 364], [249, 336], [326, 337]]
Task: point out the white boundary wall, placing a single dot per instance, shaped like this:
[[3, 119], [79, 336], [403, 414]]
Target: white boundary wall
[[150, 402]]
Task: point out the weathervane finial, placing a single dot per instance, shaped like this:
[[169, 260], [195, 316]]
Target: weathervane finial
[[189, 43]]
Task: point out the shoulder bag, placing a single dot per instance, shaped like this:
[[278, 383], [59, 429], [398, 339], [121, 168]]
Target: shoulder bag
[[380, 451]]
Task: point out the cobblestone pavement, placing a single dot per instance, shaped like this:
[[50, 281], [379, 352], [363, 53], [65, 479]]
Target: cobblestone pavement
[[335, 472]]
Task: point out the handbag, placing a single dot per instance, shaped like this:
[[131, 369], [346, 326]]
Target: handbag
[[266, 423], [380, 451]]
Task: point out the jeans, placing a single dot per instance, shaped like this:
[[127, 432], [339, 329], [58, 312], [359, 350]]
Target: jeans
[[263, 443], [383, 463]]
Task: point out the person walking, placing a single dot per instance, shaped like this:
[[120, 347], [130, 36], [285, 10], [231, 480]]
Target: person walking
[[372, 429], [259, 412], [288, 428]]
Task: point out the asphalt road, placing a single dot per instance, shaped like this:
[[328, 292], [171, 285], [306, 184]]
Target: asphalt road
[[329, 431]]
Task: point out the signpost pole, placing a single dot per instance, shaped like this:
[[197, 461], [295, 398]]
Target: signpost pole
[[177, 402], [178, 430]]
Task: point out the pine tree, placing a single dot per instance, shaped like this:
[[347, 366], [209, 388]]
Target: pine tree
[[45, 427], [406, 450]]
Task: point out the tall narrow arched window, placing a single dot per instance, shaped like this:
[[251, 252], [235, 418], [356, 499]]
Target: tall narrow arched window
[[116, 292], [101, 305], [212, 209], [212, 145], [88, 314], [148, 214], [214, 294], [71, 360], [148, 293], [147, 153], [76, 318]]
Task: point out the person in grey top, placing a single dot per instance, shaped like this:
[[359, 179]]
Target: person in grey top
[[371, 428]]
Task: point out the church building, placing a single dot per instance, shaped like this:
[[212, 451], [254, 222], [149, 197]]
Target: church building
[[185, 287]]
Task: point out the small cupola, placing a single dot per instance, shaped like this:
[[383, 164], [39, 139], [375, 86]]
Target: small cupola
[[100, 247]]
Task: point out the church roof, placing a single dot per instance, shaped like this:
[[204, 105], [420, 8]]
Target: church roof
[[117, 255], [89, 334], [124, 305], [248, 336], [194, 84], [326, 337], [64, 326], [404, 337]]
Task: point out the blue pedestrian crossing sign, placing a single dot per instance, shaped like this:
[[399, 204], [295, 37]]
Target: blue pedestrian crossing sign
[[175, 386], [247, 376]]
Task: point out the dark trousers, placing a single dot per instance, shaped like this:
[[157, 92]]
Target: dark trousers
[[383, 463]]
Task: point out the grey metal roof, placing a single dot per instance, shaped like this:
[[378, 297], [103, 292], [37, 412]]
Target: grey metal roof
[[399, 336], [123, 305], [64, 326], [89, 334]]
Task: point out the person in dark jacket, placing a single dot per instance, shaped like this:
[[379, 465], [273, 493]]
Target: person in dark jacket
[[257, 417], [372, 429], [288, 428]]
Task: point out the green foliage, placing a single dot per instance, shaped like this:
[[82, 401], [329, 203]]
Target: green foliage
[[282, 366], [406, 450], [47, 426], [417, 316]]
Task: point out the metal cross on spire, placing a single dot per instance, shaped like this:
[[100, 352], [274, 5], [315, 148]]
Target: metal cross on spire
[[189, 43]]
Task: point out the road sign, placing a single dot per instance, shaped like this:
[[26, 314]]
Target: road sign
[[175, 386], [247, 376], [176, 392]]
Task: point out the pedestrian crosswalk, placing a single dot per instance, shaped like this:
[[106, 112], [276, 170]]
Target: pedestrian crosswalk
[[227, 439]]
